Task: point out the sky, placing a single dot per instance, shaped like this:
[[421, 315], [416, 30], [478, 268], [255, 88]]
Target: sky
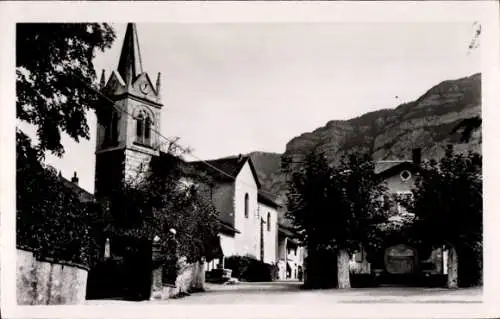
[[231, 88]]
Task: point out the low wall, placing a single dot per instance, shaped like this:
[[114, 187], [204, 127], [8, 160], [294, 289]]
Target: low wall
[[190, 278], [47, 283]]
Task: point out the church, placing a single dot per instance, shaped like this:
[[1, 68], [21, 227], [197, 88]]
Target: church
[[128, 140]]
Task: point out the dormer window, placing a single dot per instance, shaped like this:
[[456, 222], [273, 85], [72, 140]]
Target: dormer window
[[405, 175], [143, 129]]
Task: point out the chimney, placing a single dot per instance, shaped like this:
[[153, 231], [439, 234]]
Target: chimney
[[417, 156], [74, 179], [449, 148], [240, 157]]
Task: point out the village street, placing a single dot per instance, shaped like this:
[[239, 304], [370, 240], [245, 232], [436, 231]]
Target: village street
[[288, 292]]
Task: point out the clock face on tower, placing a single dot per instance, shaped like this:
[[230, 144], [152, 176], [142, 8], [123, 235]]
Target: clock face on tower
[[144, 87]]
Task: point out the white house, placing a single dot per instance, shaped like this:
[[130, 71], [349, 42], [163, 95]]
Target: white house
[[250, 214], [291, 253]]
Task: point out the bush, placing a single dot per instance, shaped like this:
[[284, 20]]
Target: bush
[[362, 280], [52, 221], [248, 268]]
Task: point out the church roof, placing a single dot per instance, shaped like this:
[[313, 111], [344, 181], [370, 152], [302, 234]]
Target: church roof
[[130, 64], [224, 169]]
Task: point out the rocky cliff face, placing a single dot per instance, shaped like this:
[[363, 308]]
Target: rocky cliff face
[[392, 133], [388, 134]]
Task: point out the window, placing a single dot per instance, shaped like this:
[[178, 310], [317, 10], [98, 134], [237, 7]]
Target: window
[[246, 205], [143, 129], [147, 130], [111, 132], [358, 255], [405, 175], [268, 221], [403, 196], [140, 128]]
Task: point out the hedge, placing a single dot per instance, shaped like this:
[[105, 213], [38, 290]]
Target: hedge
[[51, 220], [248, 268]]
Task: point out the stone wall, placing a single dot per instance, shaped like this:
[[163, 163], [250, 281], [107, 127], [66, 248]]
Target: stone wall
[[190, 278], [46, 283]]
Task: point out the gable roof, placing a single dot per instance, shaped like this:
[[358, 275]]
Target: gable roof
[[289, 232], [227, 227], [267, 200], [83, 194], [387, 168], [381, 166], [224, 169]]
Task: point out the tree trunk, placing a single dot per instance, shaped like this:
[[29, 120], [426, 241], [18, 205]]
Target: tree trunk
[[343, 269], [452, 267]]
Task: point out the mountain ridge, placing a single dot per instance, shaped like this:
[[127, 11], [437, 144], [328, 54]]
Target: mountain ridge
[[388, 133]]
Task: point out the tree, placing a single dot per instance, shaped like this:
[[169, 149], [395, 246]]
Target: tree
[[467, 127], [54, 68], [447, 203], [336, 209], [157, 201], [52, 220]]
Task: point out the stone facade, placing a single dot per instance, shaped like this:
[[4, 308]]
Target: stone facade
[[134, 118]]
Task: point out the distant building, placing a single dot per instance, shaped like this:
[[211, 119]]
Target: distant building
[[401, 259], [290, 254]]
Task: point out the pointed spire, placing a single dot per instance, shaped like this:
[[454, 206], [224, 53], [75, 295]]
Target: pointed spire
[[158, 83], [130, 64], [102, 83]]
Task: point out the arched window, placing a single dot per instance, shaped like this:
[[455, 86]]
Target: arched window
[[246, 205], [143, 129], [147, 130], [114, 127], [140, 127], [268, 221], [111, 131]]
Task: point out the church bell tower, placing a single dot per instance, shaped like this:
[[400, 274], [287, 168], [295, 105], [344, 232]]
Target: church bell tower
[[129, 119]]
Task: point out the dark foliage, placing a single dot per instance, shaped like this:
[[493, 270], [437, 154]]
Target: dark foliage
[[448, 207], [157, 201], [336, 207], [248, 268], [52, 221], [54, 66], [467, 127]]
